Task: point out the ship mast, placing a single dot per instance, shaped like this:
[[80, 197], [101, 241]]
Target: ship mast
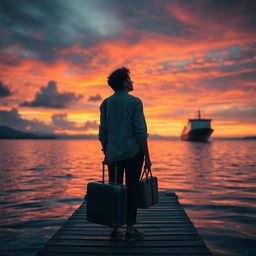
[[199, 114]]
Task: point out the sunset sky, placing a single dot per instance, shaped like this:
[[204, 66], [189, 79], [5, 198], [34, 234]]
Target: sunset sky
[[55, 56]]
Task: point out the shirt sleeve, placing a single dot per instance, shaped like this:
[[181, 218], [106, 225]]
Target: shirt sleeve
[[102, 128], [139, 122]]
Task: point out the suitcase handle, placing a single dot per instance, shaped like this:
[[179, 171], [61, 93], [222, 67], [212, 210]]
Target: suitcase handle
[[104, 162]]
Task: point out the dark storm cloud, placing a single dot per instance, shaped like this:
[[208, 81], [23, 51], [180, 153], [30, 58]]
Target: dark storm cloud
[[42, 29], [13, 119], [235, 54], [95, 98], [186, 19], [223, 83], [61, 122], [229, 82], [49, 97], [4, 90], [91, 125], [232, 69], [244, 114], [34, 26]]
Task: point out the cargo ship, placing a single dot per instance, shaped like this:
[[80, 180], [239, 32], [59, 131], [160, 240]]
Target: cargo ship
[[198, 129]]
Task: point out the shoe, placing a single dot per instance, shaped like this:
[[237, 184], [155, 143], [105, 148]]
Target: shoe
[[133, 236], [116, 234]]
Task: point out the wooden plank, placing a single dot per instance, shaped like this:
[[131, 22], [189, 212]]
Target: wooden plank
[[142, 243], [145, 212], [71, 232], [120, 250], [188, 228], [168, 231], [167, 237], [152, 212], [90, 225], [124, 254], [152, 215], [140, 218]]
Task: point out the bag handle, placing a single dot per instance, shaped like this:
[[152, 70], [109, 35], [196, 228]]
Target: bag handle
[[147, 172]]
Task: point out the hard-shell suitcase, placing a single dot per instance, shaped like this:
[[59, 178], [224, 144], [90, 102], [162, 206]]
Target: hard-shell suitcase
[[148, 190], [106, 203]]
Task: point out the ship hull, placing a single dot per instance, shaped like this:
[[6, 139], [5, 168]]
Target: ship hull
[[198, 135]]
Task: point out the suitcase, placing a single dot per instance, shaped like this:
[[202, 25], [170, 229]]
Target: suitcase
[[106, 202], [148, 190]]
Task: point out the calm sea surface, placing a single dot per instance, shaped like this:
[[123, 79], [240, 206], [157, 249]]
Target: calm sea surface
[[43, 181]]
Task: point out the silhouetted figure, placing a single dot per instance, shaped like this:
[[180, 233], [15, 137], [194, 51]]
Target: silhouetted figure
[[123, 135]]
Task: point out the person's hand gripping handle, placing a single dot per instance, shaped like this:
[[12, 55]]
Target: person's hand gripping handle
[[147, 162]]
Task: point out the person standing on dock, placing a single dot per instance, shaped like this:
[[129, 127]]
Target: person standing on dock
[[123, 135]]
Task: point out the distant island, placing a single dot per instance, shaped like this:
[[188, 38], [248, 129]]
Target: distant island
[[77, 137], [7, 132], [250, 138], [235, 138]]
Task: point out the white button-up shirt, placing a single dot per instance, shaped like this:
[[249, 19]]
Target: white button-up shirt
[[122, 125]]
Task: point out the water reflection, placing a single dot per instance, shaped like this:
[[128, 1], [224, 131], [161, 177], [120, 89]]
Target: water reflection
[[43, 182]]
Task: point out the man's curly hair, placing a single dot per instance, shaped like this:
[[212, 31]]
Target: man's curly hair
[[117, 77]]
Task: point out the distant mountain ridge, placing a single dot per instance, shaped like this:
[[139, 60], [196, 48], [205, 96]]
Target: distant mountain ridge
[[250, 138], [7, 132]]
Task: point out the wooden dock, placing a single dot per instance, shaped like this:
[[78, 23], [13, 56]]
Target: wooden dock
[[168, 231]]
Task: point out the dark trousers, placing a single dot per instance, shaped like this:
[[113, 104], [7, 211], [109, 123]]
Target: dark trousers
[[132, 167]]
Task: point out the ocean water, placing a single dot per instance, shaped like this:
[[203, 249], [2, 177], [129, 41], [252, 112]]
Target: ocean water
[[43, 181]]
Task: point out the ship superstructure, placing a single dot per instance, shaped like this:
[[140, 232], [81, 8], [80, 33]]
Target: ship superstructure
[[198, 129]]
